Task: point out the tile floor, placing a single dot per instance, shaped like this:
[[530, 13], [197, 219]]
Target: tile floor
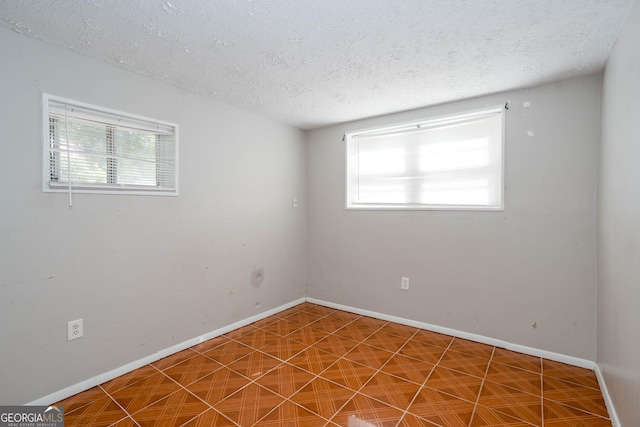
[[315, 366]]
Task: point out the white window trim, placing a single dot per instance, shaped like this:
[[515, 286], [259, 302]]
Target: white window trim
[[52, 187], [434, 121]]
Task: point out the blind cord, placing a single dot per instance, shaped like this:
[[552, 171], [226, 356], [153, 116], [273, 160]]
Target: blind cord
[[66, 117]]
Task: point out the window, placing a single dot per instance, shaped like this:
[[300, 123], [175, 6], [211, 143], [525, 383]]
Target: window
[[89, 149], [450, 163]]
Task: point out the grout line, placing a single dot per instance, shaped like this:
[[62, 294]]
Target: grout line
[[315, 376], [383, 323], [406, 411], [254, 381], [542, 391], [121, 407], [366, 382], [484, 378]]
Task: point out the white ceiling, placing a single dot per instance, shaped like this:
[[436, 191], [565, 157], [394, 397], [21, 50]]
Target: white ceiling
[[311, 63]]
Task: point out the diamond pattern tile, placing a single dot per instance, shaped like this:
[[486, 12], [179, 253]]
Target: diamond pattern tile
[[265, 322], [356, 331], [192, 369], [370, 322], [289, 414], [79, 400], [248, 405], [283, 348], [336, 344], [288, 312], [556, 414], [349, 374], [517, 404], [363, 411], [408, 368], [571, 374], [410, 420], [472, 348], [303, 318], [254, 365], [344, 316], [314, 360], [465, 363], [257, 338], [101, 412], [174, 359], [518, 360], [316, 366], [172, 411], [318, 310], [285, 379], [385, 341], [210, 418], [229, 352], [307, 335], [442, 409], [322, 397], [517, 378], [125, 422], [399, 330], [210, 344], [485, 417], [237, 333], [391, 390], [574, 395], [455, 383], [282, 327], [217, 386], [370, 356], [433, 338], [145, 392], [126, 379], [421, 351], [329, 324]]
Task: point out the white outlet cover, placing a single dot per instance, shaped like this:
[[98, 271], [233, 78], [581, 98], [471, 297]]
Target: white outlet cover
[[404, 284], [75, 330]]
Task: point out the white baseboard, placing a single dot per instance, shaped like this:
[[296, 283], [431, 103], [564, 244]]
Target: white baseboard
[[558, 357], [99, 379], [613, 415]]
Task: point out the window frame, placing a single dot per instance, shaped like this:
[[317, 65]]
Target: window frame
[[431, 122], [48, 171]]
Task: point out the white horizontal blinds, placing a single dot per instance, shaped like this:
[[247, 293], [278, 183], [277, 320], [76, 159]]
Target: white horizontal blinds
[[108, 118], [97, 149], [440, 164]]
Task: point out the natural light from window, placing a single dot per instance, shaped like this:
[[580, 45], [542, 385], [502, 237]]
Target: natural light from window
[[447, 163]]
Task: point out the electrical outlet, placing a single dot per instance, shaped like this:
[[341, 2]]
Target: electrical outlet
[[74, 330], [294, 202], [404, 284]]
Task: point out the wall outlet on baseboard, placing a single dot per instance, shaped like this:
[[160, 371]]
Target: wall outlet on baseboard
[[75, 330], [404, 284]]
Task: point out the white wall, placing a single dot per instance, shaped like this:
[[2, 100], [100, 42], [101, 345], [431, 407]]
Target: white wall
[[489, 273], [144, 272], [619, 225]]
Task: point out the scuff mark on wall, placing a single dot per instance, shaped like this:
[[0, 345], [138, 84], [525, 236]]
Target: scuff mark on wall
[[257, 277]]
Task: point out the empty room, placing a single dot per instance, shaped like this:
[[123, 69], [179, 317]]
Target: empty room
[[320, 213]]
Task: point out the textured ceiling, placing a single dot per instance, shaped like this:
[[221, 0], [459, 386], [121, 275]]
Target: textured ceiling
[[311, 63]]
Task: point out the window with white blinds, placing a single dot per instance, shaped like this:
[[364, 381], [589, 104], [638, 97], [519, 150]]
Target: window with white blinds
[[90, 149], [452, 163]]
